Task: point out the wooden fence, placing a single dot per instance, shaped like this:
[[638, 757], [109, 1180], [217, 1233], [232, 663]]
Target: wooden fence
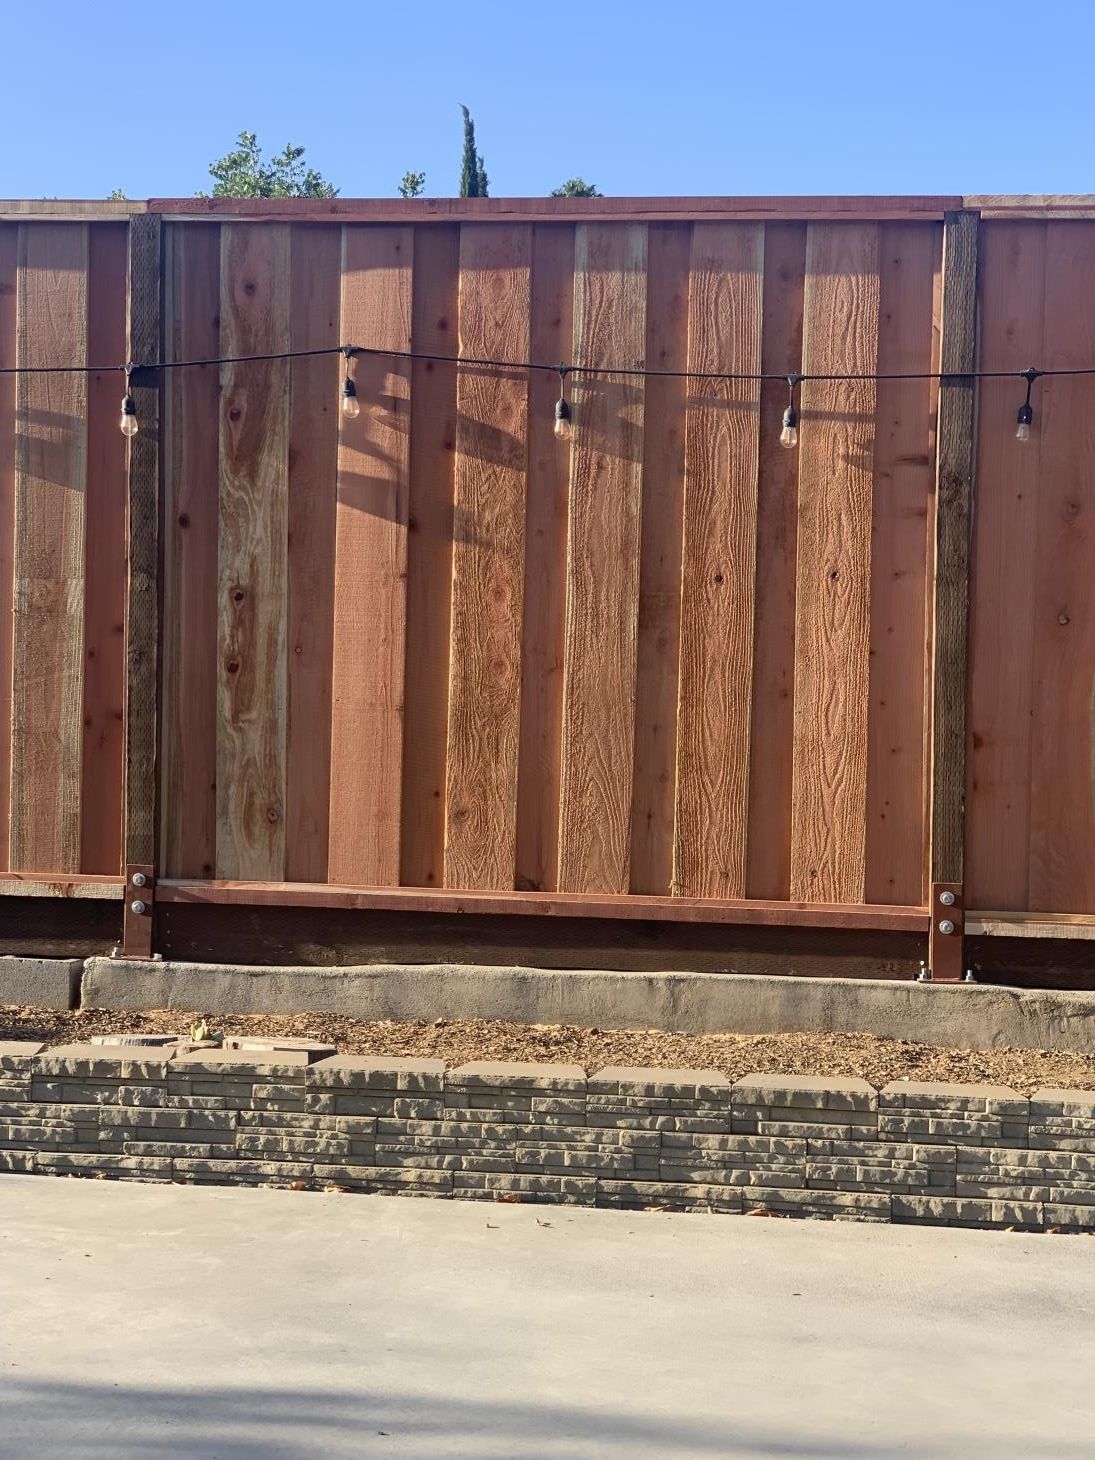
[[663, 668]]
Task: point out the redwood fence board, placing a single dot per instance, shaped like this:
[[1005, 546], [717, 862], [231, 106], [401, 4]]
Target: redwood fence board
[[49, 566]]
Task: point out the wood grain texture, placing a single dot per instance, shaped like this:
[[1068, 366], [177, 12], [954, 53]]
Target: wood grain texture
[[190, 656], [904, 482], [50, 481], [658, 651], [771, 742], [488, 561], [434, 325], [953, 505], [254, 483], [142, 595], [1062, 773], [603, 556], [832, 629], [315, 385], [725, 315], [1001, 673], [105, 575], [371, 564], [551, 337], [9, 271]]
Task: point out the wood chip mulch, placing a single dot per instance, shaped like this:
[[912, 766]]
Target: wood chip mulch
[[458, 1041]]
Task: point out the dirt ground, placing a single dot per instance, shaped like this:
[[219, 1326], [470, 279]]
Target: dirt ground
[[458, 1041]]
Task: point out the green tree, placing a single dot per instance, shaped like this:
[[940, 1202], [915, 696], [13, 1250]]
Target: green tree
[[117, 196], [473, 173], [577, 187], [413, 185], [242, 173]]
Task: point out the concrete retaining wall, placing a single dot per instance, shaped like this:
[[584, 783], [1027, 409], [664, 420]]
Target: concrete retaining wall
[[954, 1154], [964, 1016]]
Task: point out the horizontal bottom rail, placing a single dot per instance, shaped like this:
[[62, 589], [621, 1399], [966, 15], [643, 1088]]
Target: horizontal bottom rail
[[556, 904], [60, 884], [1030, 925]]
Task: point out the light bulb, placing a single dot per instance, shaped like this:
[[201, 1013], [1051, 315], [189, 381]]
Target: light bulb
[[562, 419], [351, 406], [1022, 431], [1023, 422], [129, 423], [788, 437]]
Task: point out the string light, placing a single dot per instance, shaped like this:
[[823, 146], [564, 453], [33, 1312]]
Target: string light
[[562, 409], [351, 406], [1025, 418], [128, 423], [788, 437]]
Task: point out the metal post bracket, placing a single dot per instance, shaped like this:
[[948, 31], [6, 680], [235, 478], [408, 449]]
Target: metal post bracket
[[947, 937], [137, 912]]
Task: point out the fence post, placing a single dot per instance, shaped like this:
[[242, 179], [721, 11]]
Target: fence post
[[955, 445], [142, 612]]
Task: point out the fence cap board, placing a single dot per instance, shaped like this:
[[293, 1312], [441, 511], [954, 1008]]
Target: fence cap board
[[515, 210]]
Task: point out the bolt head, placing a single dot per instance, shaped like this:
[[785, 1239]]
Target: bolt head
[[138, 907], [947, 898], [139, 879], [946, 926]]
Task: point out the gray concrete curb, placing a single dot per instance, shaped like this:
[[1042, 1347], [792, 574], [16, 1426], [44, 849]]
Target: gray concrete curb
[[961, 1017], [41, 983]]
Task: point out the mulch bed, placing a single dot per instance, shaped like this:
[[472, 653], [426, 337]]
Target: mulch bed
[[458, 1041]]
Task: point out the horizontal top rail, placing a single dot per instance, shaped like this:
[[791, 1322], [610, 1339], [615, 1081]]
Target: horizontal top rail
[[485, 210]]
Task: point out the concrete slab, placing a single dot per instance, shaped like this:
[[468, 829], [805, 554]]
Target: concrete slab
[[143, 1321], [40, 983], [965, 1016]]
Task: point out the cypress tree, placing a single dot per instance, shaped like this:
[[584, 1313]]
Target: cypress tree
[[473, 174]]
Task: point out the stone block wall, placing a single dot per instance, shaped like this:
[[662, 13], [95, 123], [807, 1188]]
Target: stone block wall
[[958, 1154]]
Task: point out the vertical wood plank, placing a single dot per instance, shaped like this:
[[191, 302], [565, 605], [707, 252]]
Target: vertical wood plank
[[768, 850], [725, 314], [904, 483], [142, 602], [191, 674], [371, 564], [9, 270], [51, 470], [434, 310], [658, 653], [104, 614], [315, 384], [488, 560], [551, 338], [1062, 806], [254, 460], [603, 555], [832, 630], [1012, 292]]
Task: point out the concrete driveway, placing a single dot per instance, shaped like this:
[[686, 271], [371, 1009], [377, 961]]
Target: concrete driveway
[[139, 1321]]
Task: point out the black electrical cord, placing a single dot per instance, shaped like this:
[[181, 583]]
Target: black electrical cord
[[637, 371]]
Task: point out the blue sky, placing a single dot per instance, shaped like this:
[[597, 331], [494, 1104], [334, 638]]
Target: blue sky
[[640, 98]]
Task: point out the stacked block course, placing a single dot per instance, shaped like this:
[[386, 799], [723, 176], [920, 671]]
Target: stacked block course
[[956, 1154]]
